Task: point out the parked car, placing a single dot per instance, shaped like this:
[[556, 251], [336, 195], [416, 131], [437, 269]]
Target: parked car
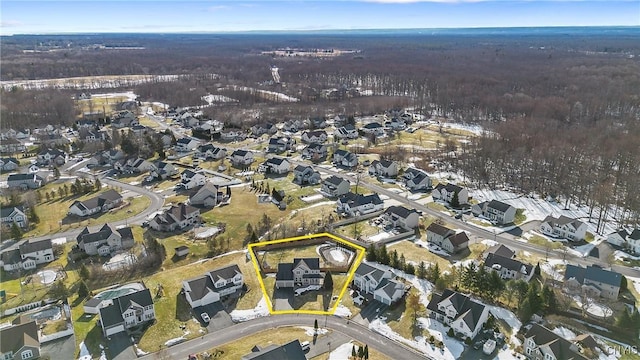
[[205, 317]]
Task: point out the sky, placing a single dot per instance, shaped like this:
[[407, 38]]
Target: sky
[[170, 16]]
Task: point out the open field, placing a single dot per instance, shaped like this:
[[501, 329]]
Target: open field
[[541, 241], [416, 253], [103, 105], [273, 257]]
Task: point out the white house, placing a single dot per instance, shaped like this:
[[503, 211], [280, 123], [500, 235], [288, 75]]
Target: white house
[[232, 135], [126, 312], [346, 132], [400, 216], [627, 239], [447, 238], [209, 151], [190, 179], [541, 343], [211, 287], [345, 158], [314, 137], [101, 203], [376, 281], [175, 218], [384, 168], [446, 193], [315, 152], [416, 179], [13, 215], [464, 315], [302, 272], [9, 164], [24, 181], [351, 204], [209, 195], [508, 268], [275, 165], [305, 175], [36, 252], [564, 228], [51, 157], [186, 144], [373, 128], [496, 211], [162, 170], [105, 241], [335, 186], [20, 341], [280, 144], [241, 157], [592, 280]]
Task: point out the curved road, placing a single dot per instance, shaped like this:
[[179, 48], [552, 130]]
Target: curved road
[[478, 231], [157, 201], [237, 331]]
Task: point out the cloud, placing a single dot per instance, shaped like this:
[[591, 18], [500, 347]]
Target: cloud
[[10, 23], [216, 8]]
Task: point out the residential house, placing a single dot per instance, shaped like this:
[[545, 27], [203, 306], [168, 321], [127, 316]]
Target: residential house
[[495, 211], [315, 152], [188, 121], [9, 164], [384, 168], [209, 151], [20, 342], [446, 193], [416, 179], [141, 130], [86, 124], [162, 170], [36, 252], [463, 314], [508, 268], [186, 144], [335, 186], [126, 312], [232, 135], [401, 217], [305, 175], [113, 155], [51, 157], [373, 128], [300, 272], [378, 282], [314, 137], [11, 146], [592, 280], [500, 250], [289, 351], [540, 343], [101, 203], [264, 128], [167, 140], [8, 134], [627, 239], [124, 119], [209, 196], [24, 181], [105, 241], [133, 165], [351, 204], [563, 227], [293, 126], [446, 238], [345, 158], [177, 217], [14, 215], [396, 123], [275, 165], [213, 286], [10, 260], [190, 179], [346, 132], [90, 136], [318, 122], [241, 157], [280, 144]]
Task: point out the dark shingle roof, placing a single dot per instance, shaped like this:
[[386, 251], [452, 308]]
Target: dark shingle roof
[[10, 256], [6, 211], [31, 245], [501, 250], [21, 177], [111, 315], [312, 263], [499, 205], [199, 287], [401, 211], [560, 347], [334, 180], [239, 152], [285, 271], [592, 273], [96, 201], [290, 351], [225, 273], [13, 338], [508, 263], [438, 229], [458, 239]]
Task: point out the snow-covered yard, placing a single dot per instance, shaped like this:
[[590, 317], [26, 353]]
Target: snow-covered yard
[[342, 352], [342, 311], [245, 315]]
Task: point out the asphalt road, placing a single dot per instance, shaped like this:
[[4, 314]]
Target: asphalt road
[[477, 231], [353, 331]]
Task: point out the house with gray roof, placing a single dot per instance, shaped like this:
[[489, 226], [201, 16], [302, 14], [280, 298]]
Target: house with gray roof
[[335, 186], [378, 282], [627, 239], [210, 151], [592, 280], [463, 314], [209, 195], [351, 204], [24, 181], [28, 255], [402, 217], [177, 217], [500, 250], [13, 215], [541, 343], [51, 156], [241, 157], [20, 341], [508, 268], [11, 260], [383, 168], [495, 211], [300, 272], [101, 203], [563, 227], [305, 175], [9, 164], [345, 158], [105, 241], [289, 351], [127, 311], [416, 179], [212, 286], [190, 179], [447, 238], [275, 165], [446, 193], [315, 152]]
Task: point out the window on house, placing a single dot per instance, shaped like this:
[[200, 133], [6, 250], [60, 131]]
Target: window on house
[[28, 354]]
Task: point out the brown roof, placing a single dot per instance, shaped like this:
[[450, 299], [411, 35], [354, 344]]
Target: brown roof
[[15, 337], [438, 229]]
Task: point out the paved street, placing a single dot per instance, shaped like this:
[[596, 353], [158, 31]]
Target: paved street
[[350, 331]]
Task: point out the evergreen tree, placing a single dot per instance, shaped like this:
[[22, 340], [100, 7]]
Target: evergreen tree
[[496, 285], [47, 196], [328, 281], [65, 188], [434, 273], [402, 262], [409, 269], [84, 272], [422, 270], [97, 184], [371, 253], [83, 291], [469, 276], [16, 233], [395, 262], [360, 352], [58, 290], [315, 326], [33, 216], [455, 201], [353, 351], [60, 192], [366, 351], [56, 173], [383, 255]]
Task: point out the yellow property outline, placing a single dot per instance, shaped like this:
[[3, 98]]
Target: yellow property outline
[[350, 275]]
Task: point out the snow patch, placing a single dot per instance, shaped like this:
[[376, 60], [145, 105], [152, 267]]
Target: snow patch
[[564, 333], [245, 315], [305, 289], [342, 311], [342, 352], [311, 331], [489, 243]]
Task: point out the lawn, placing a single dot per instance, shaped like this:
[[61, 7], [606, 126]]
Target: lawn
[[172, 310], [52, 214], [276, 256], [520, 217], [416, 253], [373, 354], [400, 318], [99, 104], [277, 336], [145, 121], [360, 228], [541, 241]]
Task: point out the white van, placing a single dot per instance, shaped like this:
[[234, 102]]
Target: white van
[[305, 345]]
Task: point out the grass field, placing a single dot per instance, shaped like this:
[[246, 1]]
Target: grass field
[[400, 318], [541, 241], [276, 256], [413, 252]]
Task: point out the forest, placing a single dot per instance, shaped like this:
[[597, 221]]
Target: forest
[[560, 109]]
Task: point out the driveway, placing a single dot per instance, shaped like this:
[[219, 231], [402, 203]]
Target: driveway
[[369, 312], [283, 299], [64, 348], [120, 347], [220, 319]]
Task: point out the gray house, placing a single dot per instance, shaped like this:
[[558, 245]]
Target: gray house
[[335, 186], [20, 341], [24, 181], [496, 211], [593, 280]]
